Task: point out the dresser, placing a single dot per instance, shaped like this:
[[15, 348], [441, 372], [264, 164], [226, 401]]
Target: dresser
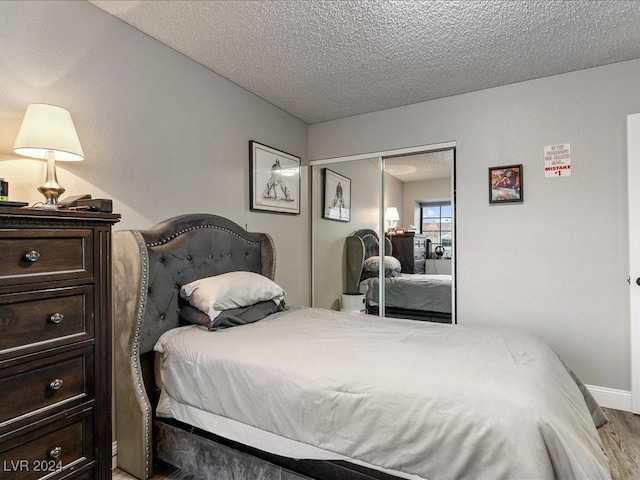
[[411, 249], [55, 344]]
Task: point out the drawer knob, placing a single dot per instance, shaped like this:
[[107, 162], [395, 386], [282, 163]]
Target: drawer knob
[[56, 384], [56, 318], [32, 256], [55, 453]]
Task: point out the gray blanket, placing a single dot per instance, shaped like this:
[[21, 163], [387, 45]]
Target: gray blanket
[[412, 291]]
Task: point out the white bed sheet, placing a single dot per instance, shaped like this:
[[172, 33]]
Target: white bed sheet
[[255, 437], [430, 400]]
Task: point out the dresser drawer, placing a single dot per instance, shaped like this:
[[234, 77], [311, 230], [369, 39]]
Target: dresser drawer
[[54, 451], [55, 316], [420, 242], [419, 266], [45, 386], [30, 256]]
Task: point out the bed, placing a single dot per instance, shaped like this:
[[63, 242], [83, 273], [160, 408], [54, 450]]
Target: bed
[[311, 393], [407, 295]]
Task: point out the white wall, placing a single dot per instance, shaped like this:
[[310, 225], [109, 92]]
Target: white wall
[[394, 197], [162, 135], [541, 265], [423, 191]]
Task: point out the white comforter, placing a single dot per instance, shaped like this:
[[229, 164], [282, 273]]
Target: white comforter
[[437, 401]]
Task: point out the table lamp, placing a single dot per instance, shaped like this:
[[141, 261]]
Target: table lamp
[[391, 215], [47, 132]]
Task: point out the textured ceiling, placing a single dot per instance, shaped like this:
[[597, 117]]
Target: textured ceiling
[[421, 166], [321, 60]]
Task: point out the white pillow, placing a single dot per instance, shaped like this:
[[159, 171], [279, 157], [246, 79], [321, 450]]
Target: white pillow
[[212, 295], [391, 265]]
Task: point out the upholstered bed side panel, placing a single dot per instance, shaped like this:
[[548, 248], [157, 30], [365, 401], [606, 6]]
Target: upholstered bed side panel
[[210, 460], [388, 246], [133, 410], [268, 254], [355, 258], [361, 245]]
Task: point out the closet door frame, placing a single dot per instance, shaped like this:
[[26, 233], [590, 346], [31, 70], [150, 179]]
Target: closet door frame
[[633, 176], [380, 155]]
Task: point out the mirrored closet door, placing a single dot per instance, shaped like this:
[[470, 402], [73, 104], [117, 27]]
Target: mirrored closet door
[[418, 206], [385, 221]]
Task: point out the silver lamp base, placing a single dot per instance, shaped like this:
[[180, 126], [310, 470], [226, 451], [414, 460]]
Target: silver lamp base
[[51, 189]]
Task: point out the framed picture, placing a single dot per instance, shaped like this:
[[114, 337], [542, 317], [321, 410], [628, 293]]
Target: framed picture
[[505, 184], [274, 180], [336, 204]]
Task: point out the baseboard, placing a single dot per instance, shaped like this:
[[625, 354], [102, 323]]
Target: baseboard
[[114, 455], [611, 398]]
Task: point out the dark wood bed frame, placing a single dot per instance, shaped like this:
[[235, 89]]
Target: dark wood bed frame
[[149, 268], [361, 245]]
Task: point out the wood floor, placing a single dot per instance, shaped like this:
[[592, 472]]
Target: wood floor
[[162, 473], [621, 438]]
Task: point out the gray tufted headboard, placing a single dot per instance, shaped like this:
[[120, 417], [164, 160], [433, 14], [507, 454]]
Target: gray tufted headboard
[[150, 267], [361, 245]]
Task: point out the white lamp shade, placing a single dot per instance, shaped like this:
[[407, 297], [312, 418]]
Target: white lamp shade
[[391, 214], [48, 128]]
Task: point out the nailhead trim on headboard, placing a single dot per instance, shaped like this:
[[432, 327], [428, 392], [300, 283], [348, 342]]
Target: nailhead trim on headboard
[[162, 241], [137, 371], [273, 256]]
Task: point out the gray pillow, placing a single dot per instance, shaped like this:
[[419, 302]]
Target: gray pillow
[[231, 317]]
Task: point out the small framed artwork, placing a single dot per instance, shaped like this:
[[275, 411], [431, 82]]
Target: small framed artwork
[[274, 180], [336, 203], [505, 184]]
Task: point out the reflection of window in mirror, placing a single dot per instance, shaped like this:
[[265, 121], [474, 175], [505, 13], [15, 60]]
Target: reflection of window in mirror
[[435, 223]]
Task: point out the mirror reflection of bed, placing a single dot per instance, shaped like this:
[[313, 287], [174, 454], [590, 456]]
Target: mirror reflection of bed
[[408, 293]]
